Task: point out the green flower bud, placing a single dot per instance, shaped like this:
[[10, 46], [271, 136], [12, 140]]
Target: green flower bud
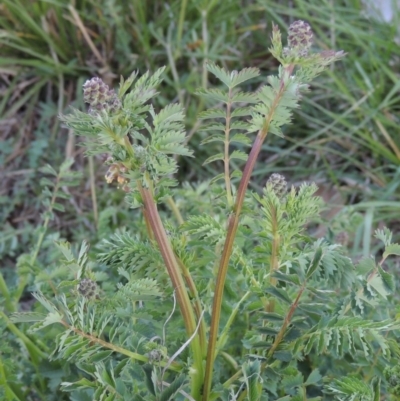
[[156, 352], [155, 355]]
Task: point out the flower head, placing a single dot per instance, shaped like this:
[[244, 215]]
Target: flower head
[[87, 288], [300, 37], [300, 40], [100, 96], [277, 184]]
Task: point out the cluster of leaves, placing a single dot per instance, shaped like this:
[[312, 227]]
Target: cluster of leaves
[[298, 313], [154, 145], [109, 338], [25, 370]]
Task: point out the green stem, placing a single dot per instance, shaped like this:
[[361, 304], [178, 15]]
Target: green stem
[[175, 210], [286, 322], [242, 395], [197, 304], [232, 379], [181, 21], [224, 335], [8, 302], [204, 31], [134, 355], [92, 181], [275, 247], [274, 264], [230, 359], [11, 391], [226, 151], [224, 262], [148, 228], [35, 353], [233, 224], [128, 146], [178, 285], [174, 71]]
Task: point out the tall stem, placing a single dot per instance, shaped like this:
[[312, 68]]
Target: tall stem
[[226, 150], [178, 285], [231, 233], [204, 32], [224, 262]]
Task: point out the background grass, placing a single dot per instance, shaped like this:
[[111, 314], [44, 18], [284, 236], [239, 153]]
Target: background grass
[[345, 137]]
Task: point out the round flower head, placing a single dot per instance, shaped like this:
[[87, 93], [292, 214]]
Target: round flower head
[[342, 238], [277, 184], [87, 288], [100, 96], [300, 38]]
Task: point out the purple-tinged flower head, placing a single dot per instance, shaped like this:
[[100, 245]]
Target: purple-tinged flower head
[[277, 184], [300, 39], [87, 288], [100, 96], [342, 238]]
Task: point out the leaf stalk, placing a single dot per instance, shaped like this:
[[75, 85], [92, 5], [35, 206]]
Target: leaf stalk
[[233, 224]]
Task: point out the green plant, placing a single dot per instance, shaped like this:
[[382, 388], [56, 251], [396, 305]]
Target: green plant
[[27, 372], [344, 132], [298, 314]]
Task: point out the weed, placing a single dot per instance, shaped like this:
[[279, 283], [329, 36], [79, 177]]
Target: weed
[[308, 313]]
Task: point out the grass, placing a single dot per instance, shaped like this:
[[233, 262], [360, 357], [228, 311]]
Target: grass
[[345, 137]]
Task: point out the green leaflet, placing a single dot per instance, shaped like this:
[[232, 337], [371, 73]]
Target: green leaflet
[[234, 78]]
